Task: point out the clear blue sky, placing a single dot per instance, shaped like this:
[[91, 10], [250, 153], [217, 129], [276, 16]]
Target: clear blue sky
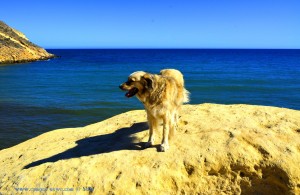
[[156, 23]]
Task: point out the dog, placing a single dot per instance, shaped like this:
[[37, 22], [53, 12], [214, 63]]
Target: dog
[[162, 95]]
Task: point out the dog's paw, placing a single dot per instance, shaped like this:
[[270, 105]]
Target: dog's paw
[[163, 147], [148, 144]]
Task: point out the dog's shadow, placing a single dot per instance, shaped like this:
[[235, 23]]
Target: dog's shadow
[[121, 139]]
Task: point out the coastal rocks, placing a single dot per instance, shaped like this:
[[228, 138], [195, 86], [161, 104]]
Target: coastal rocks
[[218, 149], [16, 48]]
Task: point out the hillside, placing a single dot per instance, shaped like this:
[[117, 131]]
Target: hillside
[[16, 48], [218, 149]]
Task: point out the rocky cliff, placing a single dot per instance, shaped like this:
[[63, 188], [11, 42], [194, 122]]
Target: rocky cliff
[[16, 48], [218, 149]]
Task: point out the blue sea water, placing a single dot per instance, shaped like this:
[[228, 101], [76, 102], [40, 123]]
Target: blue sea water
[[81, 87]]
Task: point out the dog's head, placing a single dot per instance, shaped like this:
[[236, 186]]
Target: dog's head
[[137, 84]]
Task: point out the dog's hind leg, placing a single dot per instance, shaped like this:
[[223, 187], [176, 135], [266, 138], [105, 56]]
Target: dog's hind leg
[[166, 128], [173, 124], [153, 125]]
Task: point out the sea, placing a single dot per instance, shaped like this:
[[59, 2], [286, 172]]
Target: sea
[[80, 87]]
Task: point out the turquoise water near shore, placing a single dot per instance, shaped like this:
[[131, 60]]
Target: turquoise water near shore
[[81, 87]]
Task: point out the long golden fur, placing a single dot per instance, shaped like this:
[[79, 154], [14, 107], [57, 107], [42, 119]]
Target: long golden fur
[[162, 95]]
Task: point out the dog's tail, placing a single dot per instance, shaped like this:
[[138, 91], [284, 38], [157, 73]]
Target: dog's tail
[[177, 75], [186, 96]]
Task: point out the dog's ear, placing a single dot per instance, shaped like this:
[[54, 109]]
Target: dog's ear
[[148, 78]]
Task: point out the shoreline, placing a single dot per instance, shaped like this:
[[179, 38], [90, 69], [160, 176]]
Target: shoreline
[[254, 105], [11, 62]]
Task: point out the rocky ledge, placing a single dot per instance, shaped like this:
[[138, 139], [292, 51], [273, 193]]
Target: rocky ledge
[[16, 48], [218, 149]]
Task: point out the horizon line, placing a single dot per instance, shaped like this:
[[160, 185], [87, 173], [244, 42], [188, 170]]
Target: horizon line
[[167, 48]]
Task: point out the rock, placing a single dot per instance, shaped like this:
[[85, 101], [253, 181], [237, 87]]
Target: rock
[[16, 48], [218, 149]]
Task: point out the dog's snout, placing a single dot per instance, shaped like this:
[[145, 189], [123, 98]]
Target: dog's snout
[[121, 86]]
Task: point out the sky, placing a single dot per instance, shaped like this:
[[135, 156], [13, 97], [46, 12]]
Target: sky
[[156, 23]]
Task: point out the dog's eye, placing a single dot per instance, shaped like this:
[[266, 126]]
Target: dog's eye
[[129, 82]]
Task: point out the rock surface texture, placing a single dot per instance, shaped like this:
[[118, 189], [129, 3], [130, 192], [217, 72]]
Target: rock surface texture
[[217, 149], [16, 48]]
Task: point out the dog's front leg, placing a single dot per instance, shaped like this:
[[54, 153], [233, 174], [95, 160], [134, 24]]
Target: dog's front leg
[[166, 127], [152, 126]]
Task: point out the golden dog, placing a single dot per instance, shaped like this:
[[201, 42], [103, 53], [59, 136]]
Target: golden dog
[[162, 95]]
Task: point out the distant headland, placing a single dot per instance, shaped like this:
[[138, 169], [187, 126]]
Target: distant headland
[[16, 48]]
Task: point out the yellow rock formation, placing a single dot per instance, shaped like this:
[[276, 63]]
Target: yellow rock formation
[[15, 47], [218, 149]]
